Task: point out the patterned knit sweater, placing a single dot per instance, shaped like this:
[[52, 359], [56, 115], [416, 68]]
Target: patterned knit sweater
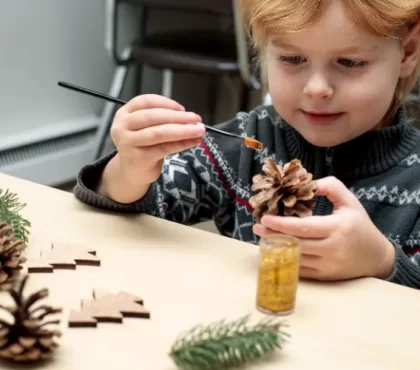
[[213, 180]]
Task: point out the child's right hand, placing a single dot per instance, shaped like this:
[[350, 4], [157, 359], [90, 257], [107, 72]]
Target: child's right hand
[[148, 128], [144, 131]]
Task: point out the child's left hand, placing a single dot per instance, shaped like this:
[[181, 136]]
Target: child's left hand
[[343, 245]]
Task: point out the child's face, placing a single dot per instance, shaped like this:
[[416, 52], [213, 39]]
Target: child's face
[[333, 67]]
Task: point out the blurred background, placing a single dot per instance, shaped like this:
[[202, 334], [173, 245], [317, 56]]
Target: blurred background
[[196, 52]]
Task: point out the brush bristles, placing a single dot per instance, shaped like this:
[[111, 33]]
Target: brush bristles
[[254, 144]]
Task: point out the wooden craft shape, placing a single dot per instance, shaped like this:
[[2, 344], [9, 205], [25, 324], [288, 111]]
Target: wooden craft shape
[[107, 307], [62, 256]]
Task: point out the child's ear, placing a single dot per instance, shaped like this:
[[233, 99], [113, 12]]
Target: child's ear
[[411, 51]]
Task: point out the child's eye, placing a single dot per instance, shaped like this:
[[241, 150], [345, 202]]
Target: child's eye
[[351, 63], [295, 59]]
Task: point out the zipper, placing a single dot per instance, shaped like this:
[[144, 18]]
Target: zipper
[[328, 160]]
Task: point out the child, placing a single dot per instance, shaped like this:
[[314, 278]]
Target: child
[[338, 73]]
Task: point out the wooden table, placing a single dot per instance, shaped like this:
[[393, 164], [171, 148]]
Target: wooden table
[[187, 276]]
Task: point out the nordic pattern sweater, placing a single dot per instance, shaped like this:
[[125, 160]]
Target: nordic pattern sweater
[[213, 181]]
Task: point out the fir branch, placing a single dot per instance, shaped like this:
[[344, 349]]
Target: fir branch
[[224, 345], [10, 208]]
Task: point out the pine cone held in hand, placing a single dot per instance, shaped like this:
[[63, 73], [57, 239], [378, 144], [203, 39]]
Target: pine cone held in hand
[[25, 338], [283, 191], [10, 253]]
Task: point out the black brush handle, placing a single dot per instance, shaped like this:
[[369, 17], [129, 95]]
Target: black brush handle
[[91, 92], [122, 102]]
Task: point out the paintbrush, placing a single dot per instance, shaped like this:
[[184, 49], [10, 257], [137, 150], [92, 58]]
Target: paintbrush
[[249, 142]]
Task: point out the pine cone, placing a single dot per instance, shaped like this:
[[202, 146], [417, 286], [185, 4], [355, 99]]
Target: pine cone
[[286, 191], [26, 339], [10, 253]]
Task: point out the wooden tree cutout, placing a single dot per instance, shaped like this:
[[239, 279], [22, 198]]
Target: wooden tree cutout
[[63, 256], [107, 307]]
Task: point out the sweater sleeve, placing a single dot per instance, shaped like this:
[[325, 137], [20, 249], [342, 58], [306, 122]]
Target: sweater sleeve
[[189, 190], [406, 270]]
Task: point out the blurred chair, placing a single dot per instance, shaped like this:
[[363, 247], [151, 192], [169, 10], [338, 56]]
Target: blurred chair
[[206, 52]]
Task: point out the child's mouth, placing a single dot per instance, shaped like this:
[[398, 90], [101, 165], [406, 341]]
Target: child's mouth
[[321, 118]]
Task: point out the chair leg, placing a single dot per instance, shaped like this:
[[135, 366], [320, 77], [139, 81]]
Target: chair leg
[[142, 32], [244, 99], [139, 79], [167, 83], [108, 112], [213, 90]]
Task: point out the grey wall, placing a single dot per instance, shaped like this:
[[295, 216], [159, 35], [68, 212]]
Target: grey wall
[[44, 41]]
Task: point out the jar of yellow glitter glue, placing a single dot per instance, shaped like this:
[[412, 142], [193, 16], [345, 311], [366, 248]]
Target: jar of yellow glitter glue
[[278, 274]]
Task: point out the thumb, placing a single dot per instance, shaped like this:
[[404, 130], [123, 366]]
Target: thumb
[[336, 192]]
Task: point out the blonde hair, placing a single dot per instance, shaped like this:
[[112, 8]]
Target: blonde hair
[[265, 18]]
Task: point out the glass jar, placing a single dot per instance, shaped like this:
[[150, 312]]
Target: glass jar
[[278, 274]]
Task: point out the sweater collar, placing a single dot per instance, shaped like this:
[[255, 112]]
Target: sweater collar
[[367, 155]]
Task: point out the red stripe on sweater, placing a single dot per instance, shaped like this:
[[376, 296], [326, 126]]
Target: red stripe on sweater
[[412, 251], [223, 179]]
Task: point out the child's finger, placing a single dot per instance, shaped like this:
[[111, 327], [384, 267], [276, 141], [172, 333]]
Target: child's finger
[[263, 231], [315, 247], [165, 134], [158, 116], [162, 150], [310, 247], [308, 273], [305, 227], [150, 101], [310, 262], [336, 192]]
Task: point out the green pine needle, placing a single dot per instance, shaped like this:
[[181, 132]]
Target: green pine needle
[[10, 208], [224, 345]]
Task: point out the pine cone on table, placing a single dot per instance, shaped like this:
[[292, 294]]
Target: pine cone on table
[[10, 254], [283, 191], [26, 338]]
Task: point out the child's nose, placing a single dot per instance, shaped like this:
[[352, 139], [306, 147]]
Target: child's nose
[[318, 86]]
